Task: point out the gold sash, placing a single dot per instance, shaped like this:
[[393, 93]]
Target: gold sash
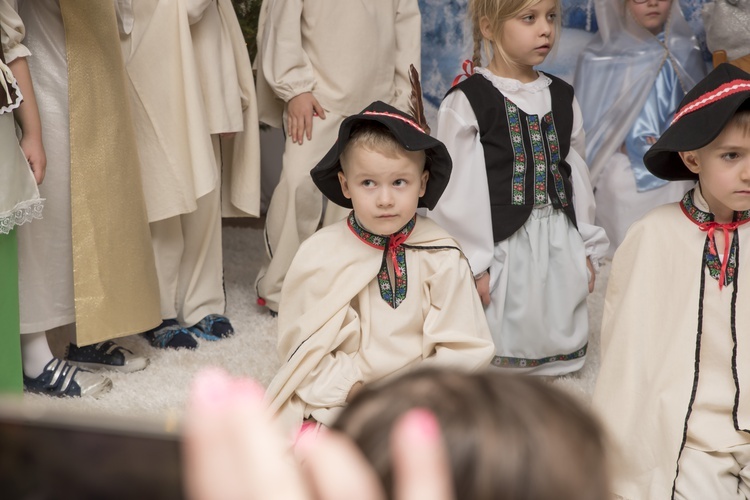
[[116, 289]]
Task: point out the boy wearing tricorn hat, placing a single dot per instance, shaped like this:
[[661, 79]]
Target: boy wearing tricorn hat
[[675, 375], [383, 290]]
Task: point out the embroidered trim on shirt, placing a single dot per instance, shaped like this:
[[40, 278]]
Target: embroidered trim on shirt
[[519, 154], [540, 160], [705, 221], [510, 362], [554, 152], [392, 246]]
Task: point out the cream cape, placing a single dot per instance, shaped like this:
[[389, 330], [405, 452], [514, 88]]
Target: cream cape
[[328, 289], [226, 78], [649, 335], [174, 142]]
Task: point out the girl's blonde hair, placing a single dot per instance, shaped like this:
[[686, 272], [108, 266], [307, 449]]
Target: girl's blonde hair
[[508, 437], [497, 12]]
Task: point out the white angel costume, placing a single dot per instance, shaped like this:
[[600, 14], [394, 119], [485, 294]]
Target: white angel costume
[[629, 82]]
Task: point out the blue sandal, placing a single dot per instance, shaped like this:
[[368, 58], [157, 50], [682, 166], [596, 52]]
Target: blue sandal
[[170, 335], [213, 327]]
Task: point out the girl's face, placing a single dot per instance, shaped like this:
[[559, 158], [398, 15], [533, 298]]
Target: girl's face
[[526, 39], [651, 14]]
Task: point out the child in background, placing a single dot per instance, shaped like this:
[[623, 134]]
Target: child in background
[[187, 85], [507, 436], [88, 264], [629, 80], [675, 367], [323, 61], [519, 201], [21, 169], [384, 290]]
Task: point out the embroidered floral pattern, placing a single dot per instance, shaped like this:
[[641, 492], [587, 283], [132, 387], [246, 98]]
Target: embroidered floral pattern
[[519, 154], [554, 152], [540, 160], [710, 255], [393, 295], [510, 362]]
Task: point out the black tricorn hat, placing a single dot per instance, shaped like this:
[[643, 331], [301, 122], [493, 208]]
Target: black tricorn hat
[[702, 115], [407, 132]]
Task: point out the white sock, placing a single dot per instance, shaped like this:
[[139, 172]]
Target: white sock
[[35, 353]]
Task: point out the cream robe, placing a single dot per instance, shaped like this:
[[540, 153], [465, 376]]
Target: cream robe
[[93, 246], [649, 335], [348, 54], [226, 78], [174, 142], [335, 329]]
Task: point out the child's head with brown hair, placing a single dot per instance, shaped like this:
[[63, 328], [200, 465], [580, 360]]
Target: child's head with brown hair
[[709, 141], [489, 18], [508, 437], [383, 165]]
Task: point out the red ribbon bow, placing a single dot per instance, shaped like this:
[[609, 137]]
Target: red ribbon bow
[[727, 229], [468, 68], [394, 242]]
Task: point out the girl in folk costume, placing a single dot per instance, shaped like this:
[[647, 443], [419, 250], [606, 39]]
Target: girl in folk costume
[[629, 80], [89, 261], [675, 370], [19, 195], [517, 137]]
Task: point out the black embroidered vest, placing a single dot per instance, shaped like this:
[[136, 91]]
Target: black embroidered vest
[[524, 154]]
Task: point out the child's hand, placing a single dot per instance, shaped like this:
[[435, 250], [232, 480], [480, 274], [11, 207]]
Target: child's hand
[[592, 274], [34, 151], [483, 287], [300, 112]]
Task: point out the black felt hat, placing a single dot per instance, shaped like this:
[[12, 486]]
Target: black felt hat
[[407, 132], [702, 115]]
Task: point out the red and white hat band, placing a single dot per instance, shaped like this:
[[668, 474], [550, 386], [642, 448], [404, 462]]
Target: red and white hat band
[[726, 90]]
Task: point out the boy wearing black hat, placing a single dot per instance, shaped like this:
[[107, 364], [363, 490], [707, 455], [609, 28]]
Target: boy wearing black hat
[[675, 370], [383, 290]]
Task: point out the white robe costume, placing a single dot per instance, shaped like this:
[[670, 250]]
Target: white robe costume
[[336, 329], [675, 366]]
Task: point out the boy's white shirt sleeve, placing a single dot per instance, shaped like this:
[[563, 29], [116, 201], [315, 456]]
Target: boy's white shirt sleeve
[[409, 45], [464, 208], [286, 66], [594, 238], [329, 383], [455, 330]]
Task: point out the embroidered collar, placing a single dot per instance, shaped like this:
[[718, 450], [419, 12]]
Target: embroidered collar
[[723, 270], [511, 85], [393, 248]]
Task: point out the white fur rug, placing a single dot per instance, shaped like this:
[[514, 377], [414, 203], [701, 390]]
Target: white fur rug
[[160, 391]]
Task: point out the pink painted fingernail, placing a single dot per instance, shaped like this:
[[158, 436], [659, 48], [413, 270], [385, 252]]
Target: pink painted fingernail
[[210, 389], [421, 425], [248, 389]]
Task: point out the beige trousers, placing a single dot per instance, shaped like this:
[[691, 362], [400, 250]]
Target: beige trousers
[[722, 474], [189, 261], [296, 206]]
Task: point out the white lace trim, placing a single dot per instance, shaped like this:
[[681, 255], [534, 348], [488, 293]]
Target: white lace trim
[[512, 85], [7, 78], [25, 211]]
